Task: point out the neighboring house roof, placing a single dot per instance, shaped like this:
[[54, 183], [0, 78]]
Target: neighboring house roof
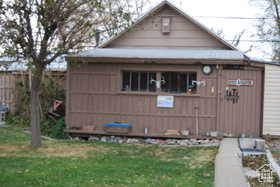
[[257, 60], [161, 53], [59, 64], [158, 7], [10, 64]]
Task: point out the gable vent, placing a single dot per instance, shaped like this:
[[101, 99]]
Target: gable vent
[[166, 25]]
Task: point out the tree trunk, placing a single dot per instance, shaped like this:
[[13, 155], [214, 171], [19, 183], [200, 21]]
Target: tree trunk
[[35, 109]]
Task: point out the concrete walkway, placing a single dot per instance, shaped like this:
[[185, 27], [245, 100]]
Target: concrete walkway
[[228, 165]]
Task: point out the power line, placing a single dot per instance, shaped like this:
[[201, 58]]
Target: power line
[[231, 17], [262, 41]]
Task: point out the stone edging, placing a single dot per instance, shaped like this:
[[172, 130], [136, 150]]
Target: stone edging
[[273, 163]]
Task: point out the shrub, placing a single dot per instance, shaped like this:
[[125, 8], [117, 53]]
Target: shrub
[[49, 127], [50, 90], [53, 128], [18, 120]]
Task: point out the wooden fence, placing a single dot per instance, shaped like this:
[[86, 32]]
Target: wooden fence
[[8, 91]]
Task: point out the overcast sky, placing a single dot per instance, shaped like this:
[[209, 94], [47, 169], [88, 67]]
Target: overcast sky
[[230, 27]]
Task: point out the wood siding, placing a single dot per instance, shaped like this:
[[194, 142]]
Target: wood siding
[[184, 34], [94, 98], [271, 111]]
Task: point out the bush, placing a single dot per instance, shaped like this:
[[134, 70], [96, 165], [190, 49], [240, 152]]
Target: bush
[[50, 127], [53, 128], [18, 120], [22, 98], [50, 90]]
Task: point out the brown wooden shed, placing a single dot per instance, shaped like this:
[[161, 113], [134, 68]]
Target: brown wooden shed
[[164, 76]]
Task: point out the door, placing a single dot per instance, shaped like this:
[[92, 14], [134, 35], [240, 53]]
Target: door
[[239, 107]]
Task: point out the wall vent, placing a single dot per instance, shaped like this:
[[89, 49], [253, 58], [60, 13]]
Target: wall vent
[[166, 25]]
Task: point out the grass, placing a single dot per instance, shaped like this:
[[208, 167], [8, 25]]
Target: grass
[[67, 163]]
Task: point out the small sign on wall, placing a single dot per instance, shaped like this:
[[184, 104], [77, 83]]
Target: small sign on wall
[[240, 82], [165, 101]]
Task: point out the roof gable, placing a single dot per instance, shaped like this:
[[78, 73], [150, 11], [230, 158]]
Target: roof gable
[[185, 32]]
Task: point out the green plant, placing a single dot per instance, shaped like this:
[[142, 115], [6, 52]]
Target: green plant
[[18, 120], [23, 97], [53, 128], [50, 90]]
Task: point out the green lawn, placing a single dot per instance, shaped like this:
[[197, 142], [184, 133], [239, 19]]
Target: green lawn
[[64, 163]]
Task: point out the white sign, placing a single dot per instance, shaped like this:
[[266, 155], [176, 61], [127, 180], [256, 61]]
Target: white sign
[[165, 101], [240, 82]]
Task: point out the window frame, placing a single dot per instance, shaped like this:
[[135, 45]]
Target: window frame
[[179, 73], [139, 81], [158, 77]]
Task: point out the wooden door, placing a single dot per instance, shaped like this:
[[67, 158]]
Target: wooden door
[[240, 102]]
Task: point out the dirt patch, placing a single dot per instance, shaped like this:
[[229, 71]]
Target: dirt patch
[[9, 150], [53, 149], [254, 162], [201, 156], [204, 155], [65, 150]]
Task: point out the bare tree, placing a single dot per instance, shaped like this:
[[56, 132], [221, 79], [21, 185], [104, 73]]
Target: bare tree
[[113, 24], [236, 39], [269, 26], [39, 31]]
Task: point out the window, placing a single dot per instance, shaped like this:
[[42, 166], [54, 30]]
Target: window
[[178, 82], [172, 82], [138, 81]]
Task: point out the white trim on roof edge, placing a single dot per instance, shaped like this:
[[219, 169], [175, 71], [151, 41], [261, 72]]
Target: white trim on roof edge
[[160, 5]]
